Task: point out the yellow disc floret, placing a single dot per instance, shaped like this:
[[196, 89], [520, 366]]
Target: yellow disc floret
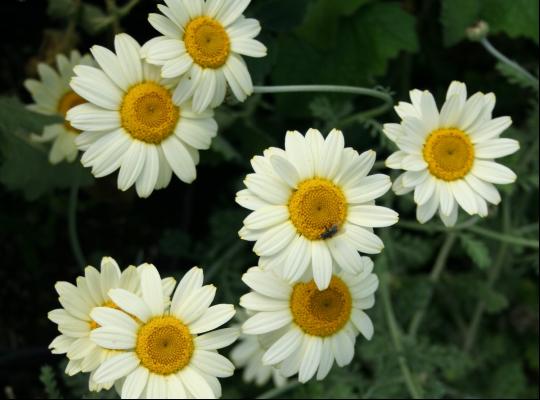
[[317, 207], [207, 42], [67, 102], [164, 345], [148, 113], [321, 312], [449, 154]]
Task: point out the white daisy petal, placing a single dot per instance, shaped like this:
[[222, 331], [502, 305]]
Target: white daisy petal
[[311, 359], [116, 367], [322, 264], [493, 172]]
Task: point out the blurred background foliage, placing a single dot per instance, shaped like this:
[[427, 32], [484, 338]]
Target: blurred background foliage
[[457, 313]]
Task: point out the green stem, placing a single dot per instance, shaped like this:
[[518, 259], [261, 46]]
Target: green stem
[[72, 226], [494, 273], [396, 338], [277, 391], [503, 237], [112, 9], [438, 268], [469, 226], [512, 64], [379, 94]]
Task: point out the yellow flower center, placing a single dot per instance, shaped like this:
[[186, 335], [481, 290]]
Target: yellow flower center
[[321, 312], [148, 113], [449, 154], [207, 42], [164, 345], [318, 208], [67, 102]]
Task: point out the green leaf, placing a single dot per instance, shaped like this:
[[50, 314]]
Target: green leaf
[[494, 301], [25, 165], [61, 9], [48, 378], [516, 18], [93, 19], [515, 78], [476, 250], [278, 15], [365, 43], [456, 17]]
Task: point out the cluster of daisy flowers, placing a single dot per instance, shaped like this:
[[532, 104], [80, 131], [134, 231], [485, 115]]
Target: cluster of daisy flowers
[[147, 111], [133, 330]]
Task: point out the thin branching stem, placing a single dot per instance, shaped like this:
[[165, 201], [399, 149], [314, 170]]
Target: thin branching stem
[[278, 391], [362, 116], [436, 272], [512, 64]]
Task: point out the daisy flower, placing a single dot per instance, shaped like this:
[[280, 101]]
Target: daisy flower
[[313, 204], [203, 43], [75, 322], [248, 354], [132, 123], [320, 325], [53, 96], [449, 155], [164, 351]]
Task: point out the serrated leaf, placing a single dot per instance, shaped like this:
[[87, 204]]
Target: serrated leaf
[[93, 19], [476, 250], [515, 77], [48, 379], [516, 18], [456, 17]]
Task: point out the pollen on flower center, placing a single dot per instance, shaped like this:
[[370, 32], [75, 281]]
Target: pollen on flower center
[[164, 345], [207, 42], [148, 113], [67, 102], [317, 208], [449, 154], [321, 312]]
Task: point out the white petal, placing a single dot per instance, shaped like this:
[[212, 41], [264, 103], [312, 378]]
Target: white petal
[[152, 290], [217, 339], [490, 129], [496, 148], [131, 304], [343, 348], [465, 196], [195, 384], [264, 322], [132, 165], [267, 284], [114, 338], [179, 159], [266, 217], [212, 363], [275, 239], [311, 359], [363, 323], [214, 317], [268, 188], [369, 188], [372, 216], [364, 240], [331, 154], [285, 170], [116, 367], [322, 264], [493, 172]]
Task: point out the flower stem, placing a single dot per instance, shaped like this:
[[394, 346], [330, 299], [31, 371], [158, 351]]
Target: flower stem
[[504, 237], [379, 94], [512, 64], [396, 338], [72, 226], [438, 268]]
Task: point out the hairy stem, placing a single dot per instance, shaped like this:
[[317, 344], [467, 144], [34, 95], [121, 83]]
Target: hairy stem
[[512, 64]]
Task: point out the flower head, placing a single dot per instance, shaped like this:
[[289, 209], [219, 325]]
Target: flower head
[[313, 206], [131, 121], [74, 319], [165, 351], [448, 155], [315, 326], [53, 96], [203, 42]]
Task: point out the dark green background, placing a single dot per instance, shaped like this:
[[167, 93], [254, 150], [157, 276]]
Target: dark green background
[[397, 45]]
